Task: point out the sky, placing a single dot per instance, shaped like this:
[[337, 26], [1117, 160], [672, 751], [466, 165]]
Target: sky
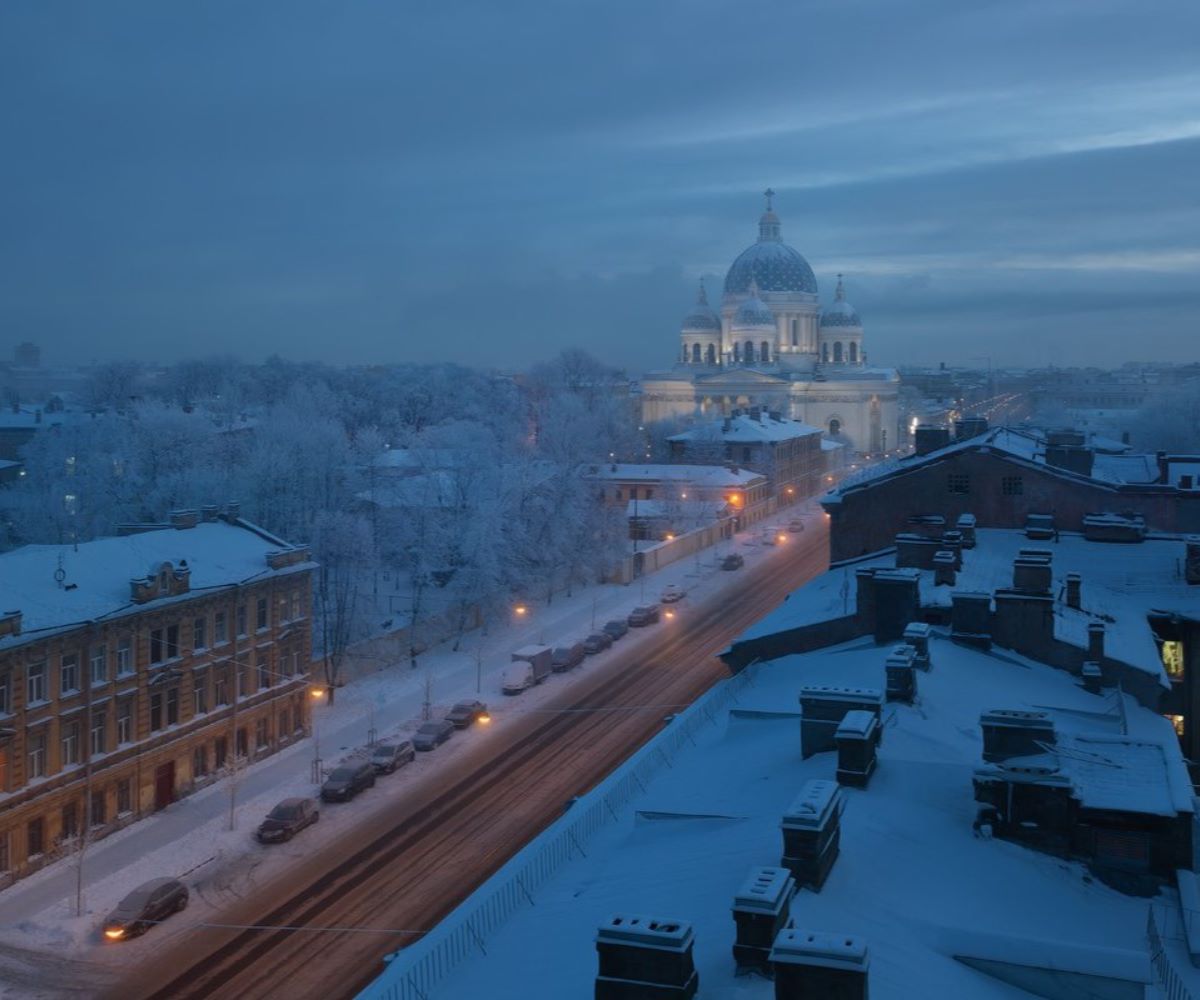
[[489, 183]]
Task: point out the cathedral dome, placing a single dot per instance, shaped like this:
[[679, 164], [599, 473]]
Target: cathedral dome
[[841, 313], [753, 313], [702, 319], [770, 263]]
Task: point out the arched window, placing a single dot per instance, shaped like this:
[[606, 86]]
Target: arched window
[[696, 353], [835, 427], [853, 353], [737, 352], [712, 355], [795, 333], [824, 354], [837, 353], [764, 352], [748, 352]]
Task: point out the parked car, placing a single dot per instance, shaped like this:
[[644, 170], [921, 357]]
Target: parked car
[[615, 629], [287, 819], [647, 614], [672, 593], [518, 677], [347, 781], [464, 713], [433, 734], [795, 526], [768, 537], [144, 907], [734, 560], [386, 757], [566, 657], [597, 642]]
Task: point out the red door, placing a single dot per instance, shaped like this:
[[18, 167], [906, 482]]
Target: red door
[[164, 785]]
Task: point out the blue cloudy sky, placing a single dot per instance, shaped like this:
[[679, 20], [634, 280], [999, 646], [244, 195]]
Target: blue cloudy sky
[[487, 182]]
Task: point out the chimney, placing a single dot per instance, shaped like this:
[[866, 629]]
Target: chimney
[[184, 518], [1093, 677], [209, 512], [811, 833], [811, 964], [1163, 472], [1009, 733], [760, 911], [1074, 583], [1095, 646], [643, 957], [930, 438], [233, 510]]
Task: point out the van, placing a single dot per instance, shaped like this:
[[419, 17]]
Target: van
[[566, 657]]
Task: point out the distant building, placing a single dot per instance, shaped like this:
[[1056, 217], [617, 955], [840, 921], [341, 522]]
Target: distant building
[[27, 355], [772, 345], [133, 670], [787, 452]]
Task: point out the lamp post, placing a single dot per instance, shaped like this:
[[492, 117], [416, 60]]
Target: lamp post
[[316, 694]]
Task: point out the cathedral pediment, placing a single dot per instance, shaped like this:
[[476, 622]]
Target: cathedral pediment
[[738, 377]]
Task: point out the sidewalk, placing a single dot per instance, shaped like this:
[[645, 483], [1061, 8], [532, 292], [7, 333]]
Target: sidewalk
[[191, 835]]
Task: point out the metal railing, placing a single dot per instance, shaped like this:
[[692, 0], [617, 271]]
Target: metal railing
[[1169, 981], [417, 970]]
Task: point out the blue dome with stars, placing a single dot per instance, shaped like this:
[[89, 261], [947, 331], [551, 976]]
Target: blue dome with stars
[[841, 313], [702, 319], [770, 263], [753, 312]]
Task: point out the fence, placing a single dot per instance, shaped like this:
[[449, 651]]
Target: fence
[[1169, 981], [417, 970]]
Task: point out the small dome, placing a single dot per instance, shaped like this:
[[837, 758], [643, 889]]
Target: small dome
[[753, 312], [841, 313], [702, 319]]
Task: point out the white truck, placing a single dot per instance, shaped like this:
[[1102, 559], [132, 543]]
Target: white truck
[[530, 665]]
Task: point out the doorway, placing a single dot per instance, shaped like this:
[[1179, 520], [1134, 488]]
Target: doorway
[[164, 785]]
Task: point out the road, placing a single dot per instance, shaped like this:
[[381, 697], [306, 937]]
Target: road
[[320, 930]]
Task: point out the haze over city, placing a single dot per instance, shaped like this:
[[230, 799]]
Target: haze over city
[[488, 184]]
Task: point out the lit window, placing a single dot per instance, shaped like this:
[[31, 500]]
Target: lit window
[[1177, 722], [1172, 658]]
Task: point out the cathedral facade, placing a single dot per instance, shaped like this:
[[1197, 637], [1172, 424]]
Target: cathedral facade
[[772, 345]]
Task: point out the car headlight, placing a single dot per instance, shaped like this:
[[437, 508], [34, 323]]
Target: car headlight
[[114, 933]]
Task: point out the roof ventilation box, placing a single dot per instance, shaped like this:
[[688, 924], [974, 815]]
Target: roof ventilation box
[[857, 739], [822, 709], [928, 438], [812, 832], [901, 674], [645, 958], [917, 635], [1010, 733], [830, 966], [965, 526], [969, 427], [760, 911]]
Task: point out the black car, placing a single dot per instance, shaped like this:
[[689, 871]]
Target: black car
[[597, 642], [615, 629], [347, 781], [386, 757], [144, 907], [433, 734], [466, 712], [733, 561], [644, 615], [566, 657], [287, 819]]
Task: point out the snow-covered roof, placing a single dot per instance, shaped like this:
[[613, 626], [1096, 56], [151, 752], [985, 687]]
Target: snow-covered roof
[[743, 428], [1121, 584], [96, 575], [912, 883], [715, 476]]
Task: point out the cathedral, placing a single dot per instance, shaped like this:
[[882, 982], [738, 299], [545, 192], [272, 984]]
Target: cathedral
[[772, 345]]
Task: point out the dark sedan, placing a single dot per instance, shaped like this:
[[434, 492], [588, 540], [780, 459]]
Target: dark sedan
[[386, 757], [146, 906], [347, 781], [597, 642], [615, 629], [433, 734], [287, 819], [466, 712]]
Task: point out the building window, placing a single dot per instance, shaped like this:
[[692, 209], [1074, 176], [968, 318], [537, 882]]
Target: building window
[[156, 711], [1177, 722], [264, 670], [156, 645], [260, 734], [70, 743], [746, 456], [958, 483], [220, 752], [125, 656], [219, 628], [1012, 486], [99, 731], [200, 762], [5, 857], [6, 692], [199, 693], [242, 743], [241, 619], [37, 753], [35, 837], [36, 683], [3, 771], [172, 641], [125, 721], [69, 675], [295, 663], [199, 639], [261, 613], [285, 720], [99, 808], [221, 686], [70, 822], [99, 664], [1172, 658], [173, 706], [124, 796], [295, 605]]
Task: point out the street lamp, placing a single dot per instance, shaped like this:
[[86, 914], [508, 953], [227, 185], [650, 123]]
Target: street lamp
[[316, 694]]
